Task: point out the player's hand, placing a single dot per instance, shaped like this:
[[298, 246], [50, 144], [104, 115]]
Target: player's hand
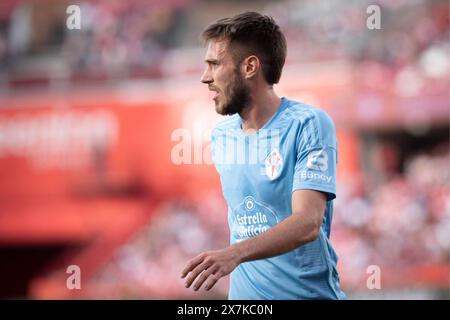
[[209, 267]]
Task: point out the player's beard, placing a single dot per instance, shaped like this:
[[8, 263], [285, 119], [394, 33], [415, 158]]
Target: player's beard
[[238, 94]]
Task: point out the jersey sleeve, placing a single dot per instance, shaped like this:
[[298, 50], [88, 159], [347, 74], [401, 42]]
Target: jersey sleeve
[[316, 148]]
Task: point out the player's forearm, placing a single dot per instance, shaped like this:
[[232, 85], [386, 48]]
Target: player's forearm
[[283, 237]]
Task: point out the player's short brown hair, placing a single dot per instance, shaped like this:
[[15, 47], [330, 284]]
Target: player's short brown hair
[[251, 33]]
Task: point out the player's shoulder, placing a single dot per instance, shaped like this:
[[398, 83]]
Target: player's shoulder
[[306, 113]]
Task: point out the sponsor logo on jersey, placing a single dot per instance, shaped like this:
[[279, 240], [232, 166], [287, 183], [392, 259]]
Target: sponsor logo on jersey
[[318, 160]]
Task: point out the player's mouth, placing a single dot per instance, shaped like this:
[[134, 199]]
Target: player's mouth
[[216, 95]]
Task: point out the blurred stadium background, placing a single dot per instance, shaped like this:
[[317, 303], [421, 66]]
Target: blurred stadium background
[[92, 122]]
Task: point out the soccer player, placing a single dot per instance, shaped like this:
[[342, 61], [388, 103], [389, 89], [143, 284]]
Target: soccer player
[[277, 163]]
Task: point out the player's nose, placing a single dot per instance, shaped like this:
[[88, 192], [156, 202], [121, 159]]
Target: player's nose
[[206, 77]]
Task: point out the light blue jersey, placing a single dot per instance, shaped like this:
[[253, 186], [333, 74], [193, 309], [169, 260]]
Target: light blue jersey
[[296, 149]]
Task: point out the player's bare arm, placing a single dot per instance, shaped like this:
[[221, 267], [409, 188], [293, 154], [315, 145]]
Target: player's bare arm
[[301, 227]]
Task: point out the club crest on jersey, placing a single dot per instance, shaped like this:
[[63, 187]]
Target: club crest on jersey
[[274, 164]]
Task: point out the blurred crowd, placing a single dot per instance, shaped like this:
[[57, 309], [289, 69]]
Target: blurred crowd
[[330, 29], [120, 37], [135, 38], [400, 224], [116, 38], [150, 264]]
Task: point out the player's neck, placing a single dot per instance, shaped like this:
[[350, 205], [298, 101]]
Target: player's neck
[[261, 109]]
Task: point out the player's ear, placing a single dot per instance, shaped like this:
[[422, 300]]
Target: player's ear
[[251, 65]]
